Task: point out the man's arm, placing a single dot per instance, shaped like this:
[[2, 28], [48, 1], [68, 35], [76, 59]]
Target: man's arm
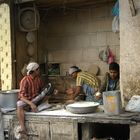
[[77, 91], [104, 83]]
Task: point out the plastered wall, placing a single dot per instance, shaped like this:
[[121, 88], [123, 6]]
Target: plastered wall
[[130, 49], [76, 36], [69, 37]]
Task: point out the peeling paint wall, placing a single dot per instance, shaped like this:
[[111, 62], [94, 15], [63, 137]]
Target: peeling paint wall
[[130, 49]]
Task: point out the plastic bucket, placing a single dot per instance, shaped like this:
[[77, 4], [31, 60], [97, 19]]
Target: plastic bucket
[[112, 102]]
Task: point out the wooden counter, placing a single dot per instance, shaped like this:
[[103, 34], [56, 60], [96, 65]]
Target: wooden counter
[[63, 125]]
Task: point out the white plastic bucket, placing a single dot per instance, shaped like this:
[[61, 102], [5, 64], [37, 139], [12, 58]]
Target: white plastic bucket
[[112, 102]]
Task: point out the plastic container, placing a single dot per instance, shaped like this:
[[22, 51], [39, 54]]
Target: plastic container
[[112, 102]]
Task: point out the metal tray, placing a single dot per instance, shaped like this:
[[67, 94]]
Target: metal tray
[[82, 107]]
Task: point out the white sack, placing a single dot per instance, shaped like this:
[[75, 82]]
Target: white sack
[[133, 104]]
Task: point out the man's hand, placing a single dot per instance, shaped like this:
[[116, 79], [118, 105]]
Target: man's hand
[[98, 95], [33, 107], [70, 101], [70, 91]]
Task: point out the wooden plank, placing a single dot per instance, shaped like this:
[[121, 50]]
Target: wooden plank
[[66, 128], [86, 127], [62, 130], [1, 127], [71, 3], [82, 118], [132, 7], [37, 130]]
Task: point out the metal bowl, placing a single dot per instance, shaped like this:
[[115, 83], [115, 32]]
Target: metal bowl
[[82, 107], [8, 98]]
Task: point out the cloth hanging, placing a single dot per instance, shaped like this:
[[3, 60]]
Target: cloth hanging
[[115, 9], [115, 24], [111, 57]]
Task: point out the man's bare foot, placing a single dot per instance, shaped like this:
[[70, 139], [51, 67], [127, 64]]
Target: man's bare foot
[[70, 101], [23, 132], [94, 138]]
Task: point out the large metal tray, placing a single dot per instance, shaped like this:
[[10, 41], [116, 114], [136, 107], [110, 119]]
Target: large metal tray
[[82, 107]]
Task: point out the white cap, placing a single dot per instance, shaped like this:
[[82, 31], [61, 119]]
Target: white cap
[[32, 67], [72, 70]]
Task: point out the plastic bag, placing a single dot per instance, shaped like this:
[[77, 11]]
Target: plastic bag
[[115, 24], [133, 104], [103, 55], [111, 57]]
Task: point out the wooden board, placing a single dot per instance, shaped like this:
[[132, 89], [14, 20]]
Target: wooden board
[[63, 130], [1, 127], [73, 3]]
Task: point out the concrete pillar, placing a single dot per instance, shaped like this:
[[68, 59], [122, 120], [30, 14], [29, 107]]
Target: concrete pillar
[[135, 132], [5, 48], [129, 49]]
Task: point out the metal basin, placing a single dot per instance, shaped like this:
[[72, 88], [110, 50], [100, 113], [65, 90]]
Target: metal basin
[[82, 107], [8, 98]]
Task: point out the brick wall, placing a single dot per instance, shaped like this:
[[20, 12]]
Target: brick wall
[[75, 37]]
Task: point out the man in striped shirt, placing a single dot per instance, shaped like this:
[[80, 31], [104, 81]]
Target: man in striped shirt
[[89, 83], [30, 93]]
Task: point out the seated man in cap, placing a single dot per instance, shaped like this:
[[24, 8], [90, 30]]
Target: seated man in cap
[[89, 83], [30, 93]]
